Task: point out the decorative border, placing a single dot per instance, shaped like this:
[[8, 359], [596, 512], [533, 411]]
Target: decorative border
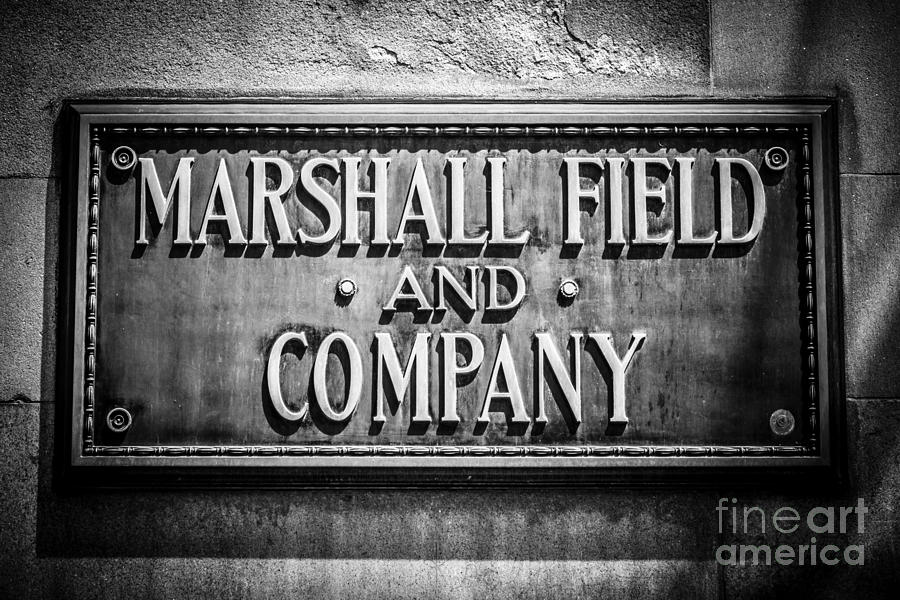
[[93, 247], [433, 130], [808, 290], [807, 313], [568, 451]]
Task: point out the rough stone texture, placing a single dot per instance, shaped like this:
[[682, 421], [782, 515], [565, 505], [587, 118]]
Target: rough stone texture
[[417, 525], [341, 48], [871, 225], [373, 579], [29, 211], [874, 428], [848, 49], [19, 457]]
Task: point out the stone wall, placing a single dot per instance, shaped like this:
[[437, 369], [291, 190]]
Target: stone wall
[[434, 544]]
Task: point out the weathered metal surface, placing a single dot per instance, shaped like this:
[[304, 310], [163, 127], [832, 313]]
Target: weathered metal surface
[[622, 242]]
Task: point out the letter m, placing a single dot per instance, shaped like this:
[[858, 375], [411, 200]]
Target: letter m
[[750, 550], [415, 376], [162, 205]]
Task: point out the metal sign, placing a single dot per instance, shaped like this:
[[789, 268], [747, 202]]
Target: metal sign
[[450, 293]]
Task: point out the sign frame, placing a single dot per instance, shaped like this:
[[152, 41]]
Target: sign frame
[[820, 461]]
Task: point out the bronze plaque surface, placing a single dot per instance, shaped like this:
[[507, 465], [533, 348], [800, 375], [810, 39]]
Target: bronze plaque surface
[[452, 292]]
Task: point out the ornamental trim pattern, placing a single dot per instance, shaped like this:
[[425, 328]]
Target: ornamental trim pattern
[[374, 450], [435, 130]]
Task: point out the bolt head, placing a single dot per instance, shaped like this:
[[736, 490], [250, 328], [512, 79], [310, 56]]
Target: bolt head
[[118, 419], [568, 288], [781, 422], [123, 158], [776, 158], [346, 287]]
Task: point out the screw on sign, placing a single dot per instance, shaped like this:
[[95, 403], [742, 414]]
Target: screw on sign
[[124, 158], [346, 288], [776, 158], [568, 288], [118, 420], [781, 422]]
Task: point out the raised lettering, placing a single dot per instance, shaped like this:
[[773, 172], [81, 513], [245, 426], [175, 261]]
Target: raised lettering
[[468, 297], [569, 383], [614, 170], [451, 370], [686, 205], [352, 196], [355, 377], [261, 196], [504, 366], [273, 376], [618, 367], [574, 194], [418, 187], [162, 205], [309, 183], [639, 199], [758, 201], [416, 372], [518, 295], [457, 201], [408, 278], [222, 188], [496, 165]]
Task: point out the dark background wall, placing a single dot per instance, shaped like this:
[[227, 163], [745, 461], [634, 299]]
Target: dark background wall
[[520, 543]]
